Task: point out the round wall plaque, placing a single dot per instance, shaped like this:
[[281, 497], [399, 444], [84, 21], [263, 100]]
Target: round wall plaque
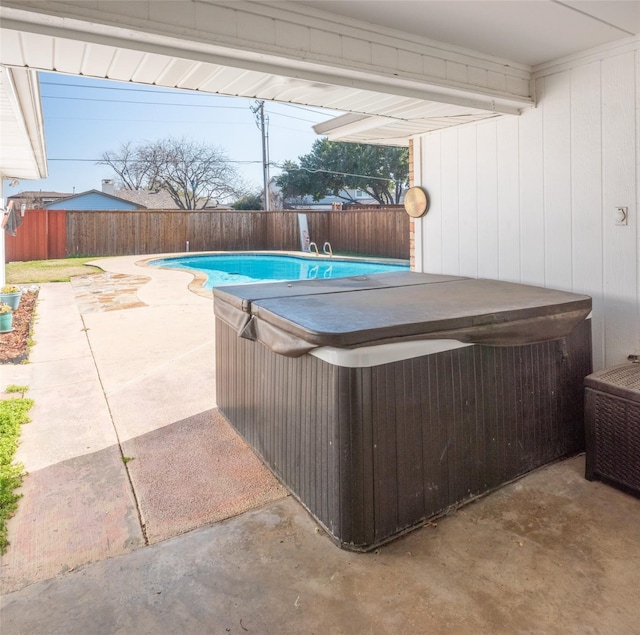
[[416, 202]]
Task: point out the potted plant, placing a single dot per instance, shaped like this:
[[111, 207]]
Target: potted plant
[[6, 318], [10, 294]]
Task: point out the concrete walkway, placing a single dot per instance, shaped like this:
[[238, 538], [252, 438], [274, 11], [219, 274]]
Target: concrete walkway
[[125, 447], [95, 546]]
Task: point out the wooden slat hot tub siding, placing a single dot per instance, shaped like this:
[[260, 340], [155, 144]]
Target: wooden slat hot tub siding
[[374, 451]]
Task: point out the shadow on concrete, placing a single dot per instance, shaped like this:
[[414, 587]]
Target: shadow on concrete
[[71, 513], [195, 472], [185, 475]]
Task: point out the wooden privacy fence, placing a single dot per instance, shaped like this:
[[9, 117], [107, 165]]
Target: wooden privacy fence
[[56, 233], [42, 235], [377, 232]]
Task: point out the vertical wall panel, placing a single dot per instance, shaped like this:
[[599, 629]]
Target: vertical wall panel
[[619, 188], [586, 193], [557, 180], [487, 201], [432, 225], [532, 194], [468, 201], [566, 165], [637, 207], [415, 172], [418, 223], [508, 200], [449, 211]]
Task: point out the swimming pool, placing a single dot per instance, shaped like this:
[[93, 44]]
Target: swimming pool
[[225, 269]]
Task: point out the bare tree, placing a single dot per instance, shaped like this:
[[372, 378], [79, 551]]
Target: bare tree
[[127, 165], [194, 174]]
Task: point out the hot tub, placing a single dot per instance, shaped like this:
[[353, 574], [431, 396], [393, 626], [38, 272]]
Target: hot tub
[[383, 401]]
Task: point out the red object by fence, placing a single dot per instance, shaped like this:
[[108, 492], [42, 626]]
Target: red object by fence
[[42, 236]]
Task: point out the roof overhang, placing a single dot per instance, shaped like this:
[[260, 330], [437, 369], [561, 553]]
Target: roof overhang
[[22, 151], [394, 131], [406, 84], [380, 62]]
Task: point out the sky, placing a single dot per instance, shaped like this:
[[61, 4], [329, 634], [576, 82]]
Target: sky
[[86, 117]]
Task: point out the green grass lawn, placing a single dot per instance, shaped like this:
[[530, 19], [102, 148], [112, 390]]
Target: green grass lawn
[[38, 271], [13, 413]]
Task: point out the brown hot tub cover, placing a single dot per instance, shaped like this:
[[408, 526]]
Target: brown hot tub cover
[[294, 318]]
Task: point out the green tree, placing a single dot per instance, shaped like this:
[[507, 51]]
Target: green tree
[[335, 167], [195, 175], [250, 201]]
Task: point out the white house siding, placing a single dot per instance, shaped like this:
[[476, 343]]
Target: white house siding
[[532, 199]]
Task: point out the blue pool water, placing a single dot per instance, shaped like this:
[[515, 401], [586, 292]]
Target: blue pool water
[[246, 268]]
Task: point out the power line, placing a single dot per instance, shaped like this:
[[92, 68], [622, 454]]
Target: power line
[[177, 91], [298, 130], [313, 171], [146, 103], [102, 161], [158, 91], [153, 103], [271, 164], [119, 119], [199, 121], [281, 114], [122, 101]]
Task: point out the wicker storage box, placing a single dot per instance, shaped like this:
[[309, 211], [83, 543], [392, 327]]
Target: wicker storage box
[[612, 417]]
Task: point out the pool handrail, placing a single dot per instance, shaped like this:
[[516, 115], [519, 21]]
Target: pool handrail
[[326, 248], [316, 248]]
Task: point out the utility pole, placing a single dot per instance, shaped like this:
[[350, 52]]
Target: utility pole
[[263, 124]]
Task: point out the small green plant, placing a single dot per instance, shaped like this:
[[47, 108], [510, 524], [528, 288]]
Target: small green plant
[[5, 308], [9, 288], [13, 388], [13, 413], [126, 459]]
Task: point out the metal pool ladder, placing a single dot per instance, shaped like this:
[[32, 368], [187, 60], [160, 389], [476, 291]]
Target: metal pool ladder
[[315, 247], [326, 248]]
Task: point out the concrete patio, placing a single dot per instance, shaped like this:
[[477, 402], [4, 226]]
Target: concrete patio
[[143, 512]]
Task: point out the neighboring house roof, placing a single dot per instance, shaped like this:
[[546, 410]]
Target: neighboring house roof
[[36, 199], [150, 199], [93, 200], [39, 194], [159, 199]]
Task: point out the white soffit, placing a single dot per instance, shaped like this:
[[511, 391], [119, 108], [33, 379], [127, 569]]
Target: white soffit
[[116, 63], [383, 62], [22, 146], [466, 86], [396, 131]]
